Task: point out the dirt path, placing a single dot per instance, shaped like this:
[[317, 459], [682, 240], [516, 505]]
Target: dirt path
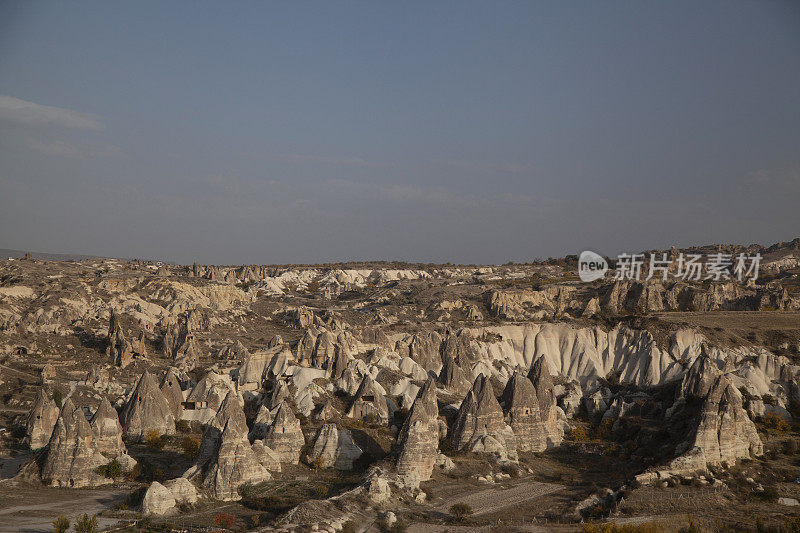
[[498, 497], [38, 513]]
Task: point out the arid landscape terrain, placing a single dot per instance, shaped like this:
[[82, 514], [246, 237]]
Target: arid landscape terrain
[[392, 396]]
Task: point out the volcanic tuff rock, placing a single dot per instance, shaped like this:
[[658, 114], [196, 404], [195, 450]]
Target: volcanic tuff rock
[[700, 377], [545, 395], [71, 459], [480, 426], [41, 420], [453, 377], [229, 409], [305, 348], [235, 351], [522, 406], [418, 440], [334, 447], [180, 343], [107, 430], [119, 350], [284, 435], [233, 464], [369, 401], [226, 460], [724, 431], [171, 389], [147, 410]]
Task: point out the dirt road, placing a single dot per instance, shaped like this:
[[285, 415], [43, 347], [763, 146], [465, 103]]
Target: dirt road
[[497, 497], [39, 510]]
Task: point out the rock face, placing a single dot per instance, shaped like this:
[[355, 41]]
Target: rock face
[[324, 349], [107, 430], [369, 402], [546, 396], [418, 440], [72, 459], [233, 465], [334, 448], [480, 426], [522, 407], [235, 351], [284, 436], [119, 350], [452, 377], [724, 432], [226, 459], [305, 348], [41, 420], [171, 389], [700, 377], [147, 410], [180, 344]]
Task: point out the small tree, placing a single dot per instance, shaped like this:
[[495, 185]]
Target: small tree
[[190, 447], [460, 511], [84, 524], [153, 439], [61, 524]]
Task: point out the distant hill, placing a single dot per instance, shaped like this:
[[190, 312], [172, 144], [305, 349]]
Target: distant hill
[[17, 254]]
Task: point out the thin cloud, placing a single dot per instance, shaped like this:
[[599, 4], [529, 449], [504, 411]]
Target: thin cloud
[[33, 114], [324, 160], [58, 148]]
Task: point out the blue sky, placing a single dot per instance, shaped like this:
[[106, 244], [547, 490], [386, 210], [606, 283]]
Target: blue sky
[[277, 132]]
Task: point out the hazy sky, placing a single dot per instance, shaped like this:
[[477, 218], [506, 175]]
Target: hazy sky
[[277, 132]]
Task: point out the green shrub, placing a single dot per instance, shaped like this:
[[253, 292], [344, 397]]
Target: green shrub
[[61, 524], [460, 511], [84, 524], [112, 470]]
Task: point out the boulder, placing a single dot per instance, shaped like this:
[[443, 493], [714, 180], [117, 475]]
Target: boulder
[[158, 500]]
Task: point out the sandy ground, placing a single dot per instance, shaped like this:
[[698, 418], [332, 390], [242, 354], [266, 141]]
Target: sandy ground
[[35, 510]]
